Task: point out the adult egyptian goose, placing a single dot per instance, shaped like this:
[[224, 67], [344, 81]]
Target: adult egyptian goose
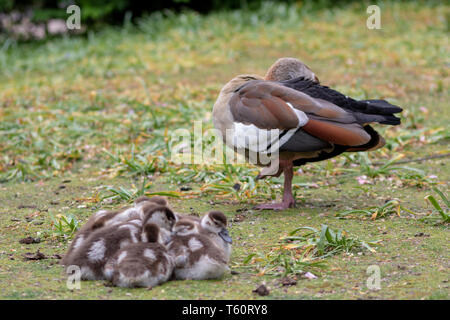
[[288, 118]]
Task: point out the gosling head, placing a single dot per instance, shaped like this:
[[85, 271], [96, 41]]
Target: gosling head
[[216, 222], [160, 215]]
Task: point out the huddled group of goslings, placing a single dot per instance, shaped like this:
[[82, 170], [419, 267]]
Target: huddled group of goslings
[[148, 244]]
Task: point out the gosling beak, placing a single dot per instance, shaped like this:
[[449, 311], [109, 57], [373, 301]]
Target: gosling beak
[[225, 236]]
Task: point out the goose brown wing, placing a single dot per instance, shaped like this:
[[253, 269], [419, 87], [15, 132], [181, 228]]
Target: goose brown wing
[[271, 105]]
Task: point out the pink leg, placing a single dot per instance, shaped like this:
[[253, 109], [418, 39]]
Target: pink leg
[[288, 198]]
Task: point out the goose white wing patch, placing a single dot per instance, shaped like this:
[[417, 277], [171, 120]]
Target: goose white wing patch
[[302, 117], [254, 139]]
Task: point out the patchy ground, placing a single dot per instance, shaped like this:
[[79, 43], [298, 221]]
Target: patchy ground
[[86, 124]]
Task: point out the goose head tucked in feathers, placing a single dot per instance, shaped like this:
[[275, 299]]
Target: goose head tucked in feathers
[[289, 68]]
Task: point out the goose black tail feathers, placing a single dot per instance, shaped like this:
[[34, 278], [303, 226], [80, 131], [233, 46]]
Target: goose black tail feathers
[[380, 118], [381, 106], [379, 111], [367, 111]]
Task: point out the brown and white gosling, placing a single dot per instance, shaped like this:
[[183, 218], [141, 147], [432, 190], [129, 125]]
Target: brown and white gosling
[[214, 225], [143, 264], [84, 232], [104, 218], [196, 256], [101, 245]]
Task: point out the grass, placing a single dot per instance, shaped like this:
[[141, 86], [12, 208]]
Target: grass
[[87, 124], [300, 252], [391, 207], [65, 226], [325, 242], [443, 215]]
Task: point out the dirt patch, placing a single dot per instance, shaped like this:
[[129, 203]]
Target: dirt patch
[[262, 290], [34, 256]]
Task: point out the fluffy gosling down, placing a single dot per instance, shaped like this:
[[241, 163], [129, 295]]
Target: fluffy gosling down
[[143, 264], [200, 250], [147, 244], [100, 246], [156, 207]]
